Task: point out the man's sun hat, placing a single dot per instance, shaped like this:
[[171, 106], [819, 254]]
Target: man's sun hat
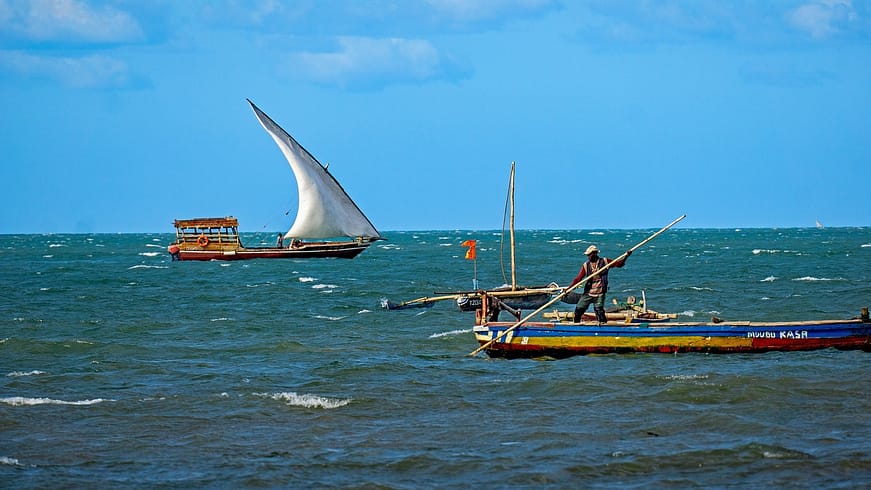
[[591, 249]]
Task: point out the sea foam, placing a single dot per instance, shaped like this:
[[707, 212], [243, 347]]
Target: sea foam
[[452, 332], [16, 374], [308, 401], [19, 401]]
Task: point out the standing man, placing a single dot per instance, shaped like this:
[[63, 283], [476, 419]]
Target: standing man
[[595, 288]]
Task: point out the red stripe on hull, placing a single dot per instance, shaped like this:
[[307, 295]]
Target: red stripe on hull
[[247, 254], [514, 351]]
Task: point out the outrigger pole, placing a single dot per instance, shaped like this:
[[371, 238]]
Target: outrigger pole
[[568, 290]]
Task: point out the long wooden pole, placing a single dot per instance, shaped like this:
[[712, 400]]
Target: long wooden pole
[[513, 265], [568, 290]]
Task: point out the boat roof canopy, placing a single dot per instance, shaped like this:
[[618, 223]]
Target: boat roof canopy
[[229, 221]]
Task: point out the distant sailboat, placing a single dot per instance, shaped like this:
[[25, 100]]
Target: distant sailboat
[[325, 212], [819, 225]]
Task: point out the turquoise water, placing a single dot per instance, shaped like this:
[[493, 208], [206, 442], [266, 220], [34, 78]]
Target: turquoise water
[[121, 368]]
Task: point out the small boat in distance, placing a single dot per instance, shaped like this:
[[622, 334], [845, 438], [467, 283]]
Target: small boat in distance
[[328, 222]]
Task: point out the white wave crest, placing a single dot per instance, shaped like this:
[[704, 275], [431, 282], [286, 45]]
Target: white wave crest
[[866, 245], [19, 401], [757, 251], [143, 266], [685, 377], [305, 400], [150, 254], [16, 374], [689, 313], [452, 332], [332, 318], [9, 461], [811, 278], [769, 279], [324, 286], [307, 279]]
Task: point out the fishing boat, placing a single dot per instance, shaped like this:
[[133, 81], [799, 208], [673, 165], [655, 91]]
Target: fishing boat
[[557, 339], [328, 223], [531, 336]]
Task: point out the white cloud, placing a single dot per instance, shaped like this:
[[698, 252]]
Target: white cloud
[[367, 63], [67, 21], [86, 72], [823, 18], [471, 11]]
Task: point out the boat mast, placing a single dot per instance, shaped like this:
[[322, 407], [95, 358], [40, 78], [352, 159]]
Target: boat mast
[[511, 194]]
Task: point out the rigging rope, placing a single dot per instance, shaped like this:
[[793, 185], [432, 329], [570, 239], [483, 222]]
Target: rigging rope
[[502, 238]]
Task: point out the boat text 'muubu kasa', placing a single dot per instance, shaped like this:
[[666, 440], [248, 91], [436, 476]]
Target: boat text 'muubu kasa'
[[328, 223]]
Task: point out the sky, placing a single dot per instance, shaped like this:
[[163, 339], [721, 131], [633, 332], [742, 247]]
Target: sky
[[122, 116]]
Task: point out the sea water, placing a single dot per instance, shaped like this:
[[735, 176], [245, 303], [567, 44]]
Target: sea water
[[121, 368]]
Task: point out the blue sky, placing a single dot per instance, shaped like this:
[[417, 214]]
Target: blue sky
[[120, 116]]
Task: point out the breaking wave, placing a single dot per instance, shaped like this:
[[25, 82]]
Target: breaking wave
[[308, 401], [16, 374], [19, 401], [452, 332]]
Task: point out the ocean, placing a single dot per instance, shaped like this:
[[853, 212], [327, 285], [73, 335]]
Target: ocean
[[122, 369]]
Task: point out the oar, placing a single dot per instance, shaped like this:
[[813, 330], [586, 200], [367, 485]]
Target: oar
[[506, 293], [568, 290], [417, 303]]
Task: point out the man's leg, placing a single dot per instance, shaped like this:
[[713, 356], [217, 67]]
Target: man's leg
[[599, 308], [582, 306]]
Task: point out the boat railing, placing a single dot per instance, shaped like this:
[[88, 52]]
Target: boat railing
[[218, 235]]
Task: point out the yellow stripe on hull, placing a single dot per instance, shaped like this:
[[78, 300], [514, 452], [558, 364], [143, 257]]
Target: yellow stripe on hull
[[624, 342], [632, 342]]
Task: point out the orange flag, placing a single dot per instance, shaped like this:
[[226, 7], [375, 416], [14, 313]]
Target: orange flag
[[471, 254]]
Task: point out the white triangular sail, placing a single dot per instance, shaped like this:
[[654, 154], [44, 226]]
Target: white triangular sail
[[325, 209]]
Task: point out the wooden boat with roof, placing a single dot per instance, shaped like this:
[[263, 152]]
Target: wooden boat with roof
[[328, 223], [218, 239]]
